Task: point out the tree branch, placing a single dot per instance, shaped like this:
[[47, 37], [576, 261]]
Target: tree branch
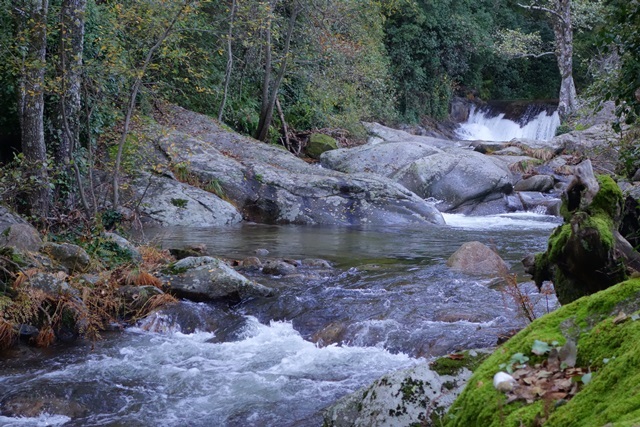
[[545, 9]]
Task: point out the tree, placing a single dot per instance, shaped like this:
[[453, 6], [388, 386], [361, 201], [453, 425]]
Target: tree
[[71, 55], [167, 28], [562, 14], [31, 25], [270, 86], [559, 11]]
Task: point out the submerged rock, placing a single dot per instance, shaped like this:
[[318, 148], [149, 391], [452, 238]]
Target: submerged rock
[[210, 279], [476, 258]]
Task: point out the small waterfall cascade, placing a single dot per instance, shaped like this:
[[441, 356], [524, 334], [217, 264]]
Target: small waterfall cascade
[[487, 124]]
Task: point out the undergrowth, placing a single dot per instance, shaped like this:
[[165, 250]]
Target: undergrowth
[[83, 305]]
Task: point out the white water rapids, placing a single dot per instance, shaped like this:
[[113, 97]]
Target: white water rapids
[[482, 125], [389, 290]]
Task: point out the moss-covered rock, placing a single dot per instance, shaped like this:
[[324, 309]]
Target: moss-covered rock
[[318, 144], [582, 257], [608, 344]]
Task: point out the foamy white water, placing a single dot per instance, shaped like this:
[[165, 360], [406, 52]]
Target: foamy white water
[[507, 221], [178, 379], [481, 127]]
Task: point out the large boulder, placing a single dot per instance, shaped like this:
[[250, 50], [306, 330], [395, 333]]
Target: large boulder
[[170, 202], [382, 158], [270, 185], [416, 396], [457, 178], [210, 279], [476, 258], [70, 256], [17, 233], [431, 168]]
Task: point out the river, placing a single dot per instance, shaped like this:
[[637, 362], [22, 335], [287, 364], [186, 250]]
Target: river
[[389, 300]]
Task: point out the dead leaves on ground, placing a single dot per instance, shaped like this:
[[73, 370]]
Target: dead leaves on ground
[[543, 382]]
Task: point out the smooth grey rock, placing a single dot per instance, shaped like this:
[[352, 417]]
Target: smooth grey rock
[[68, 255], [172, 203], [124, 244], [636, 176], [456, 177], [21, 236], [383, 159], [409, 397], [270, 185], [18, 233], [51, 284], [476, 258], [278, 268], [541, 183], [536, 201], [210, 279]]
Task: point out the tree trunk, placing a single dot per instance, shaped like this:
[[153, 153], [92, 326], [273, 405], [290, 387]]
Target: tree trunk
[[270, 91], [132, 102], [31, 19], [227, 75], [72, 20], [563, 31]]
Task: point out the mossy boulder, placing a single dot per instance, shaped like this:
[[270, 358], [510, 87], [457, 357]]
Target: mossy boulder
[[318, 144], [418, 396], [607, 333], [585, 254]]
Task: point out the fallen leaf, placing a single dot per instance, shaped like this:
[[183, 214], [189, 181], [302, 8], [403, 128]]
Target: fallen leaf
[[455, 356], [621, 317], [544, 374], [555, 395]]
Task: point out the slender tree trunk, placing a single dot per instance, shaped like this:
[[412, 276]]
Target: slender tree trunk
[[227, 75], [132, 103], [563, 31], [262, 129], [72, 27], [31, 19], [270, 91]]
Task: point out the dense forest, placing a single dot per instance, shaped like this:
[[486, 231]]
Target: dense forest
[[77, 75]]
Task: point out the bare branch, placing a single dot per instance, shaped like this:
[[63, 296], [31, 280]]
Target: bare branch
[[545, 9]]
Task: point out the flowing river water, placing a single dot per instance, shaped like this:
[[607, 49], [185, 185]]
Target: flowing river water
[[388, 303]]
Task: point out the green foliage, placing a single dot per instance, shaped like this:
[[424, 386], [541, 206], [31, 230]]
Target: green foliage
[[621, 34], [629, 153], [107, 252]]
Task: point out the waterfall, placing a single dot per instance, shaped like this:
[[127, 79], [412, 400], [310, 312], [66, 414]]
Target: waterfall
[[485, 124]]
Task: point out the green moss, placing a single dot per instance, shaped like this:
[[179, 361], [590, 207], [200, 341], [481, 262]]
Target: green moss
[[613, 395], [557, 240], [604, 225], [448, 366], [609, 199], [173, 270]]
